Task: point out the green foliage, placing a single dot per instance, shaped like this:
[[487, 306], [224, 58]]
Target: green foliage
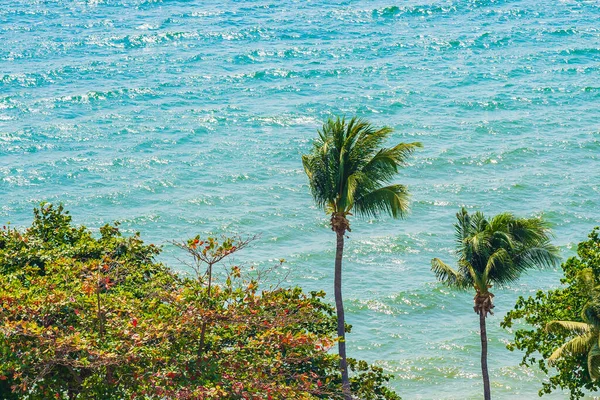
[[84, 317], [496, 251], [368, 383], [570, 302], [347, 169]]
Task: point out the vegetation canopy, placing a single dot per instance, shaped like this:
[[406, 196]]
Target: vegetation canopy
[[559, 327], [349, 170], [84, 317], [496, 252]]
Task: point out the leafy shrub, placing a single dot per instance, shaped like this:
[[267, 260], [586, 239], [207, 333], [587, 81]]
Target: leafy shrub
[[563, 304], [84, 317]]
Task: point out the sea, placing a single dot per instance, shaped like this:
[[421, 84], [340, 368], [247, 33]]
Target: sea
[[185, 117]]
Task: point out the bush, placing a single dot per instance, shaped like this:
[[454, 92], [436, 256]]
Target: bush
[[84, 317], [563, 304]]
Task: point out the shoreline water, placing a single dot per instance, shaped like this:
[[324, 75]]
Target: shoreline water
[[177, 119]]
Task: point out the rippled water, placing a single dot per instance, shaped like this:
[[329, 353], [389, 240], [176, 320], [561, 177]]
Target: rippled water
[[185, 117]]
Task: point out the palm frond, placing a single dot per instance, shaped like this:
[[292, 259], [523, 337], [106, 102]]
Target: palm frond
[[578, 345], [391, 199], [500, 260], [320, 178], [369, 143], [478, 242], [355, 129], [463, 226], [347, 168], [591, 311], [542, 254], [530, 230], [479, 222], [570, 327], [448, 276], [384, 164], [500, 222], [349, 191], [470, 274], [593, 361], [306, 163], [502, 248]]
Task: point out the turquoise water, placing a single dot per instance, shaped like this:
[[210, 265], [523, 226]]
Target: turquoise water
[[185, 117]]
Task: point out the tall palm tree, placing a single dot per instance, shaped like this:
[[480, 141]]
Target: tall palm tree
[[586, 334], [491, 253], [348, 170]]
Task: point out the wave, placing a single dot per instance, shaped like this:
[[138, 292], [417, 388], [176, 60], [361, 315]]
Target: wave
[[591, 51], [261, 55], [395, 11], [137, 41], [95, 96], [561, 32], [55, 75], [432, 9], [130, 42]]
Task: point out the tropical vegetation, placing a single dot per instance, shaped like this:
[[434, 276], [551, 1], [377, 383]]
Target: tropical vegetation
[[98, 317], [349, 171], [494, 253], [560, 337], [586, 335]]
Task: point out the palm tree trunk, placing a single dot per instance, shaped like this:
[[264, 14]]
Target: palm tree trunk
[[339, 306], [484, 367]]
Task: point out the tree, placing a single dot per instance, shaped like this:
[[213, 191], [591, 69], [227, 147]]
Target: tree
[[84, 317], [494, 253], [348, 170], [546, 341], [205, 254]]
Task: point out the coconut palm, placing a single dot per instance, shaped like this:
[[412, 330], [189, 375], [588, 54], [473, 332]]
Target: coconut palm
[[349, 171], [491, 253], [586, 334]]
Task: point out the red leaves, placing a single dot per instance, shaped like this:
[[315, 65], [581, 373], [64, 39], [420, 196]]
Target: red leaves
[[108, 283], [89, 288], [257, 345]]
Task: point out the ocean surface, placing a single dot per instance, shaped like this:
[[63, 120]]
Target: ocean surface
[[184, 117]]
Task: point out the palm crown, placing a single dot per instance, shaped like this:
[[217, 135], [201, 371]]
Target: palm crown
[[348, 169], [496, 251]]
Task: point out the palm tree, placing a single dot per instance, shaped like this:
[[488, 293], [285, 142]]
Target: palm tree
[[494, 252], [348, 170], [586, 334]]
